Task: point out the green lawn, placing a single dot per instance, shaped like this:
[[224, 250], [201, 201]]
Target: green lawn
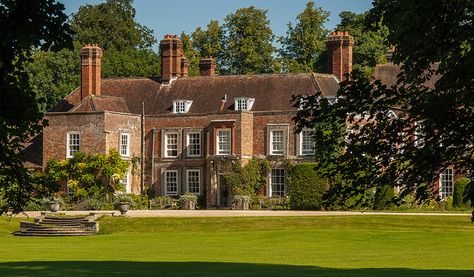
[[251, 246]]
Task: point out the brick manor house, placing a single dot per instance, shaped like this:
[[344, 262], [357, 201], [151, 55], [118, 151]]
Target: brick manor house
[[186, 130]]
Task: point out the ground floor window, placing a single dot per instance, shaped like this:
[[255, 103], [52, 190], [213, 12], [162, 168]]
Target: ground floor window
[[193, 181], [171, 182], [446, 182], [126, 182], [277, 182]]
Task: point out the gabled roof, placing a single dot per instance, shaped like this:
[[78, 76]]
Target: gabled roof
[[272, 92], [95, 103]]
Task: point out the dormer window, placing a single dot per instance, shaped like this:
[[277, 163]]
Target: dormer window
[[181, 106], [244, 103]]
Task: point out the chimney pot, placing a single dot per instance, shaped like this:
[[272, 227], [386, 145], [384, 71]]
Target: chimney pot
[[207, 66], [171, 58], [340, 54], [91, 65]]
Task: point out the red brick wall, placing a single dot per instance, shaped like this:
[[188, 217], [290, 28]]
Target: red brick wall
[[89, 125]]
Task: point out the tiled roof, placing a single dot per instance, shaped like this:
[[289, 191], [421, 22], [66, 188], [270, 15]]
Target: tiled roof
[[102, 103], [272, 92]]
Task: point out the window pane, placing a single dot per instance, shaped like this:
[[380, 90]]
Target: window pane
[[277, 142], [171, 145], [307, 144], [124, 141], [193, 180], [224, 142], [446, 183], [278, 182], [194, 144], [73, 143], [171, 182]]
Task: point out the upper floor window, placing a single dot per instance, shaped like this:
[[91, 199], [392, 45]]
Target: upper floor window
[[125, 144], [244, 103], [171, 182], [181, 106], [306, 142], [277, 143], [193, 144], [171, 145], [73, 143], [446, 181], [224, 141]]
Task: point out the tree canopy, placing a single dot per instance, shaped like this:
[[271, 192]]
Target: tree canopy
[[405, 134], [305, 42], [371, 43], [248, 39], [112, 25], [25, 25], [127, 51]]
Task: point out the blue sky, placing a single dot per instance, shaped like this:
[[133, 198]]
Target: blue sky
[[173, 17]]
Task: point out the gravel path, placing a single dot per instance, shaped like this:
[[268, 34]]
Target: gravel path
[[237, 213]]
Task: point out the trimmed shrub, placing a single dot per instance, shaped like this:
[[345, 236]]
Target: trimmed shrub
[[140, 202], [383, 197], [306, 187], [459, 195]]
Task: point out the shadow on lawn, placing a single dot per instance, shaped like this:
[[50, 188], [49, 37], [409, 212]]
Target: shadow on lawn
[[116, 268]]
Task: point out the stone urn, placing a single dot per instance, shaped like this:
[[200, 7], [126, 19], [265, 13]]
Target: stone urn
[[188, 204], [53, 206], [123, 207], [241, 203]]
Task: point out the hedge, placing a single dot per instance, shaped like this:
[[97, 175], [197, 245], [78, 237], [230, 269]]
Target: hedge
[[306, 187], [460, 198]]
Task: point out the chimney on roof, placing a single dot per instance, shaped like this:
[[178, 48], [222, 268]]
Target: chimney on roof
[[184, 66], [171, 58], [207, 66], [340, 54], [91, 64]]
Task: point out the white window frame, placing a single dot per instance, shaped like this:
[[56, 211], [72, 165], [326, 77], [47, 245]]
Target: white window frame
[[166, 145], [126, 182], [220, 151], [302, 151], [68, 143], [188, 189], [273, 192], [165, 182], [446, 186], [127, 149], [243, 103], [181, 106], [188, 144], [273, 150]]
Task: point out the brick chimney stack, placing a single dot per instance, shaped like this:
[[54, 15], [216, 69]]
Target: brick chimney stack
[[91, 65], [207, 66], [173, 63], [340, 54]]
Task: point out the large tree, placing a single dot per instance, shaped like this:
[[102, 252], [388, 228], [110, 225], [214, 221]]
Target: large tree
[[127, 50], [209, 42], [305, 42], [112, 25], [371, 43], [248, 47], [25, 25], [406, 134]]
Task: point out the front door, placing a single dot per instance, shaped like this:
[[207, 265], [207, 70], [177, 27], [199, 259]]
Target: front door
[[223, 193]]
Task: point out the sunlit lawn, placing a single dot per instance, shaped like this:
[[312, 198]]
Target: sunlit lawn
[[249, 246]]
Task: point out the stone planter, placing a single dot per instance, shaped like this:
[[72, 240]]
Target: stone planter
[[53, 206], [188, 204], [241, 204], [123, 207]]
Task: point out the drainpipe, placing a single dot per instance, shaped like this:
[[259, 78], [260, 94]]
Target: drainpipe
[[153, 131], [143, 149]]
